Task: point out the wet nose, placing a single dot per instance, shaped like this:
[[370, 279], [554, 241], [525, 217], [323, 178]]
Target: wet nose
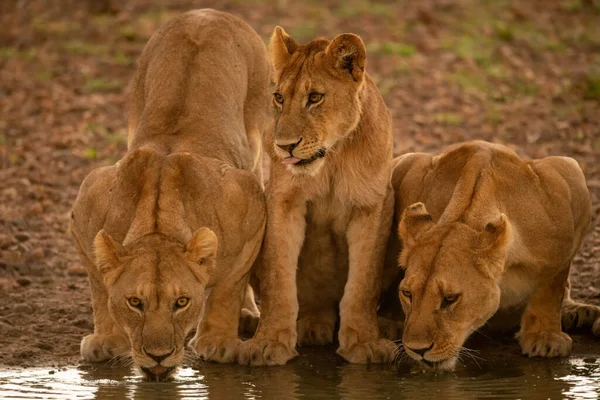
[[158, 358], [289, 147], [420, 351]]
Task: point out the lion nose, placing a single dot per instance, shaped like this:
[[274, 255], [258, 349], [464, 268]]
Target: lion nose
[[420, 351], [289, 147], [156, 358]]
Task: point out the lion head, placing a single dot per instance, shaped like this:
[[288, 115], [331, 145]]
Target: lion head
[[451, 283], [156, 293], [316, 97]]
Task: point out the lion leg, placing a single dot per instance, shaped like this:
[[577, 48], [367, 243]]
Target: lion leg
[[316, 328], [250, 314], [107, 341], [577, 315], [359, 332], [540, 333], [274, 342], [217, 338]]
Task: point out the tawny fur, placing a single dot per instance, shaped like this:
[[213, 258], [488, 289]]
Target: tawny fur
[[183, 213], [483, 230], [328, 220]]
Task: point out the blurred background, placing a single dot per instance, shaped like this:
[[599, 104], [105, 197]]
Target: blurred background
[[520, 72]]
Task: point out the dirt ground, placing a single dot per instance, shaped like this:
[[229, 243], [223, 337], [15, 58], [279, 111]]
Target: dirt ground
[[523, 73]]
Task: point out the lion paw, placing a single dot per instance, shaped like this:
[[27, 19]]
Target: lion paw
[[578, 315], [377, 352], [97, 347], [545, 344], [315, 331], [216, 348], [257, 352]]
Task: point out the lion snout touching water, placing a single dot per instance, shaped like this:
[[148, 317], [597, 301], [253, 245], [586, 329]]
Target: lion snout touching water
[[483, 230], [169, 233]]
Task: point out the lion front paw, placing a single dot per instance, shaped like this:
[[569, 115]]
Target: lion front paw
[[545, 344], [216, 348], [260, 352], [376, 351], [98, 347], [315, 331]]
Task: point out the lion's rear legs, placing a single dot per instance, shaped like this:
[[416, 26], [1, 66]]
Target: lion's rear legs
[[316, 328], [577, 316], [540, 334]]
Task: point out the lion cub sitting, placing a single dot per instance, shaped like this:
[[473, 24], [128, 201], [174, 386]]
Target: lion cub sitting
[[329, 204], [483, 230], [170, 232]]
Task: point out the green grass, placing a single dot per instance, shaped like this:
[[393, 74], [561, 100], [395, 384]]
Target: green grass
[[78, 47], [103, 85], [303, 32], [121, 58], [7, 53], [90, 153], [592, 87], [356, 8], [391, 48], [447, 118]]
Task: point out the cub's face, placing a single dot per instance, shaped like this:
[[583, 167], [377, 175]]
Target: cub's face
[[316, 97], [450, 288], [155, 294]]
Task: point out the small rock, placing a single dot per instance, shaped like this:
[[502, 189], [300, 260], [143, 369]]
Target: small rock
[[22, 236], [37, 254], [77, 270], [84, 323], [51, 372], [6, 241], [10, 194], [24, 281], [23, 309], [35, 210]]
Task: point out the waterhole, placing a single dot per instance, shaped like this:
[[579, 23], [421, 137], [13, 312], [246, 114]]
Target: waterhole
[[496, 372]]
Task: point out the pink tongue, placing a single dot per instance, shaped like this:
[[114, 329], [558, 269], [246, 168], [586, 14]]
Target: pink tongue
[[291, 160], [157, 370]]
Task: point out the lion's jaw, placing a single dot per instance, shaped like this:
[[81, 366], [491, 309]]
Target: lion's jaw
[[155, 296], [451, 286]]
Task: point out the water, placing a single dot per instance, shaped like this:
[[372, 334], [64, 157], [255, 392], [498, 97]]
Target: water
[[499, 372]]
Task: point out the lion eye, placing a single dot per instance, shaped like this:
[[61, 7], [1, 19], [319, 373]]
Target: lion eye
[[449, 299], [278, 98], [182, 302], [406, 293], [135, 302], [314, 97]]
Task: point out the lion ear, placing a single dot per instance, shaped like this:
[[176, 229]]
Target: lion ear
[[415, 219], [202, 249], [281, 48], [107, 251], [492, 244], [348, 53]]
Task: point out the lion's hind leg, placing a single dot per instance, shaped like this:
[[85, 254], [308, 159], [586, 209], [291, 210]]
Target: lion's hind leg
[[578, 316]]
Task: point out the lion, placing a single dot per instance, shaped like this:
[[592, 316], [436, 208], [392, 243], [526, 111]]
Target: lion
[[482, 230], [169, 233], [329, 204]]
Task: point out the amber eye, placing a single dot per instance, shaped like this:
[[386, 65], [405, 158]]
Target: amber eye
[[182, 302], [406, 293], [135, 302], [278, 98], [449, 299], [314, 97]]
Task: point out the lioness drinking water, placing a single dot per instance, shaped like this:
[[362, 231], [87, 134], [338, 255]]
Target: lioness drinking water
[[483, 230], [172, 229]]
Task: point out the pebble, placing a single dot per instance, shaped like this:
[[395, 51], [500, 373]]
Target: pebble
[[23, 309], [37, 254], [22, 236], [24, 281], [6, 241], [10, 194], [35, 210], [77, 270]]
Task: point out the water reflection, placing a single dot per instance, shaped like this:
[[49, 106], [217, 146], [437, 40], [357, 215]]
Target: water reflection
[[318, 374]]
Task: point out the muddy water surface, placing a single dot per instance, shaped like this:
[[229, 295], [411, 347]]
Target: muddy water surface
[[497, 371]]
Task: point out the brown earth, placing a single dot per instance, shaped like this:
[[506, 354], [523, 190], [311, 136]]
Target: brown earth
[[524, 73]]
